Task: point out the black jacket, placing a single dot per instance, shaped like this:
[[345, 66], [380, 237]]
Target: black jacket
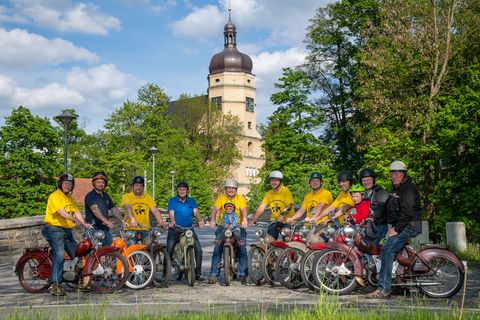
[[403, 207], [378, 203]]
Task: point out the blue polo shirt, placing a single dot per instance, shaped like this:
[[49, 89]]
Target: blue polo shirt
[[183, 211], [104, 203]]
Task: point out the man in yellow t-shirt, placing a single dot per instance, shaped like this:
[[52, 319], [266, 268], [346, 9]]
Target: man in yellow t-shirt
[[137, 206], [342, 203], [61, 216], [218, 210], [280, 201], [319, 197]]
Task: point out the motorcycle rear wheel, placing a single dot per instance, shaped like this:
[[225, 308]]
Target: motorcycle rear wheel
[[30, 277], [163, 268], [143, 270], [447, 273], [326, 272], [287, 268], [115, 272], [226, 266], [255, 258], [268, 266]]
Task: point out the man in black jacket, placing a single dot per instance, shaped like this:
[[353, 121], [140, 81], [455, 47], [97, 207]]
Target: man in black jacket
[[403, 213], [378, 202]]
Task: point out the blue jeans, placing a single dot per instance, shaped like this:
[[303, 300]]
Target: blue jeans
[[389, 250], [241, 253], [140, 237], [107, 241], [381, 232], [60, 240], [274, 229]]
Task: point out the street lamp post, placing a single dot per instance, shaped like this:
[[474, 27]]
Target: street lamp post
[[152, 151], [65, 118], [173, 180]]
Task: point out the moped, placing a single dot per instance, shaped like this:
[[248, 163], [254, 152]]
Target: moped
[[184, 255], [230, 242], [161, 258], [257, 252], [105, 267]]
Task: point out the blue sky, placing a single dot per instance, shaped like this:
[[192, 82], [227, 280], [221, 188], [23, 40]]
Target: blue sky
[[93, 56]]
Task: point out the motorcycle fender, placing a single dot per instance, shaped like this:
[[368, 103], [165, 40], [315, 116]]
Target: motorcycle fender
[[157, 246], [279, 243], [298, 245], [259, 245], [429, 253], [354, 255], [319, 246], [135, 247], [87, 268], [39, 253]]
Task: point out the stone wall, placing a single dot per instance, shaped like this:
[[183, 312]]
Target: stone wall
[[18, 234]]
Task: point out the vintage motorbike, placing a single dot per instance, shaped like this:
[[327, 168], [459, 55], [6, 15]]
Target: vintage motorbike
[[184, 255], [434, 271], [140, 261], [230, 244], [161, 258], [257, 252], [106, 267]]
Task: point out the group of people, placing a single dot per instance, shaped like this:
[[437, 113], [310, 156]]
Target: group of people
[[400, 209]]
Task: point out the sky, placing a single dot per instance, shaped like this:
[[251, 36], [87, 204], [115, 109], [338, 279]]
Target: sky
[[93, 56]]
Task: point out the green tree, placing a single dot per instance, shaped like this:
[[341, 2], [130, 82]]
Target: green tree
[[28, 164]]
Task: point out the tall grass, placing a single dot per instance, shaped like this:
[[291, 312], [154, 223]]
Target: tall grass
[[471, 254]]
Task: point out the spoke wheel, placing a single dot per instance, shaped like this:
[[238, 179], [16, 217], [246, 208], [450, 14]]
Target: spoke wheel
[[306, 270], [268, 266], [143, 270], [287, 268], [114, 273], [190, 259], [227, 267], [446, 275], [334, 272], [255, 258], [34, 274], [163, 268]]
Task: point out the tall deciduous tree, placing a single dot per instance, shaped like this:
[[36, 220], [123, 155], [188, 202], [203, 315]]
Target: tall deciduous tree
[[29, 162]]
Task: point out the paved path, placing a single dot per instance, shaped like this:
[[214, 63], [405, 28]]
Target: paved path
[[178, 297]]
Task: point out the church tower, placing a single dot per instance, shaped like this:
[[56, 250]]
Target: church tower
[[231, 86]]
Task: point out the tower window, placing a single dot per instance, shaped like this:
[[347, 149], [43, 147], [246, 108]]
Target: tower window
[[249, 148], [217, 80], [250, 104], [250, 172], [249, 125], [217, 101], [248, 80]]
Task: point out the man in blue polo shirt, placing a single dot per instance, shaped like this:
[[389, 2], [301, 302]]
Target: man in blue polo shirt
[[181, 210], [97, 204]]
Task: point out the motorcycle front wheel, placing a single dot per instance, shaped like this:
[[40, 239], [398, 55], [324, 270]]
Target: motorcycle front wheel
[[143, 269], [255, 258], [190, 260], [306, 271], [163, 268], [112, 272], [226, 265], [334, 272], [268, 266], [287, 268], [30, 274]]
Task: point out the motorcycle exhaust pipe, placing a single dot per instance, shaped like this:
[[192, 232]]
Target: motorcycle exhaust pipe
[[416, 284]]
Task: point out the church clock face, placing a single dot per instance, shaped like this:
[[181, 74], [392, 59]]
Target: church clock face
[[250, 105]]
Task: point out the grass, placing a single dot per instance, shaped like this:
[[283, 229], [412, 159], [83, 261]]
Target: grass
[[472, 254]]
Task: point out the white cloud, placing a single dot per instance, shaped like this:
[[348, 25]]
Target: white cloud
[[64, 16], [52, 95], [21, 49], [200, 24]]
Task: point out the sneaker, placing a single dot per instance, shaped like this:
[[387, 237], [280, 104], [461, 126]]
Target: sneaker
[[57, 290], [83, 289], [379, 294], [212, 280], [200, 278], [243, 280]]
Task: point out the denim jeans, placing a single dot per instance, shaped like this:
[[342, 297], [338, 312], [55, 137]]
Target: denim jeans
[[241, 253], [273, 229], [141, 236], [173, 238], [60, 240], [107, 241], [381, 232], [389, 251]]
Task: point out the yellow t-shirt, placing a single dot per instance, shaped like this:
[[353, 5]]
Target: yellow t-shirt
[[56, 201], [311, 201], [278, 201], [342, 199], [140, 208], [239, 201]]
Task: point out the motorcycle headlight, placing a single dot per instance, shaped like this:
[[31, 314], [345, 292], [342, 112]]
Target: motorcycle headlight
[[129, 234], [348, 231], [304, 231], [99, 234], [157, 232], [259, 232], [228, 233], [329, 232], [189, 233], [285, 232]]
